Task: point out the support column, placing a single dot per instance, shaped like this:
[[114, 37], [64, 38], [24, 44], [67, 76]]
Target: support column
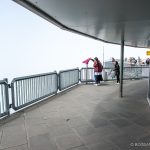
[[121, 65]]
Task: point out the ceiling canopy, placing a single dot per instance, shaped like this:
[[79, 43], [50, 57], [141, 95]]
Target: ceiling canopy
[[104, 20]]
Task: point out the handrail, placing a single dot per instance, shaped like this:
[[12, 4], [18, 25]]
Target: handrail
[[32, 76]]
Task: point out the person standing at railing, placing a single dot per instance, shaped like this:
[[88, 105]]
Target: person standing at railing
[[117, 71], [98, 67]]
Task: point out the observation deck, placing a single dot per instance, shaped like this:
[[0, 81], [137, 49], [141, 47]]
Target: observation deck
[[85, 117]]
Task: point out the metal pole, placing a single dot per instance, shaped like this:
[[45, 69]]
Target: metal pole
[[7, 95], [121, 65], [103, 54]]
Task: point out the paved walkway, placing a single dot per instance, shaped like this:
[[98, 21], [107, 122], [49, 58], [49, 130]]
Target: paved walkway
[[87, 117]]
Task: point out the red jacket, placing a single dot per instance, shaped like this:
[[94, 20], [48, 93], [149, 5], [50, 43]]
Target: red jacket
[[97, 66]]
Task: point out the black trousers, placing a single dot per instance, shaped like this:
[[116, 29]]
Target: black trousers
[[98, 78], [118, 78]]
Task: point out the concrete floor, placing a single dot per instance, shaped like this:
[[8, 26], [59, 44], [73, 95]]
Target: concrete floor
[[87, 117]]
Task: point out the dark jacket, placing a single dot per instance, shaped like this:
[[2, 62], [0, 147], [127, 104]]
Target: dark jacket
[[117, 68]]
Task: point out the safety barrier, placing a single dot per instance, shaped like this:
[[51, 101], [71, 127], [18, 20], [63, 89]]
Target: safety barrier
[[68, 78], [87, 74], [25, 91]]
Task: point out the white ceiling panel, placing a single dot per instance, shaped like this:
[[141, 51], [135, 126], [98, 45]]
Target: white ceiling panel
[[99, 19]]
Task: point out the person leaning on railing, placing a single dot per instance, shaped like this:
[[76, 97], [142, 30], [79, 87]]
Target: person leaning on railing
[[98, 67]]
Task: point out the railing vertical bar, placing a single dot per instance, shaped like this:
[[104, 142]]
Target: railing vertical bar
[[36, 84], [4, 94], [50, 83], [28, 81], [27, 90], [35, 87], [21, 93], [30, 91], [4, 99], [17, 94], [32, 88], [23, 90], [1, 99], [47, 84], [40, 86]]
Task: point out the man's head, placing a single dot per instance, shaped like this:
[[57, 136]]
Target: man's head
[[95, 58]]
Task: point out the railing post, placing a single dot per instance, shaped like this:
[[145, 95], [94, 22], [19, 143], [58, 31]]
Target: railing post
[[7, 95], [80, 75], [12, 95]]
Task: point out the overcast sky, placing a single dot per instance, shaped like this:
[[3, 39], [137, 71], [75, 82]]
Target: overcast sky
[[31, 45]]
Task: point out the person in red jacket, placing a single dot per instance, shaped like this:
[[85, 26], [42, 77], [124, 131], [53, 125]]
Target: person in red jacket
[[98, 67]]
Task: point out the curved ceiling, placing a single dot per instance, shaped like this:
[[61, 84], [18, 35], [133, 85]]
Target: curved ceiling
[[104, 20]]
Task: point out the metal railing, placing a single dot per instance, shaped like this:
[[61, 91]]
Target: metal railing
[[27, 90], [31, 89], [132, 72], [4, 101], [87, 74], [68, 78]]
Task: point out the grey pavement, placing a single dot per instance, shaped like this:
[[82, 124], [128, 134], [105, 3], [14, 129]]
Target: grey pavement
[[87, 117]]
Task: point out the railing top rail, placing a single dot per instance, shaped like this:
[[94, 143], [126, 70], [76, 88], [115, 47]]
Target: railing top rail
[[136, 67], [68, 70], [3, 82], [33, 76], [87, 68], [112, 67]]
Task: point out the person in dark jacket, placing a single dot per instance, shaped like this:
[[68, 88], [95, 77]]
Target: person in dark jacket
[[117, 71], [97, 70]]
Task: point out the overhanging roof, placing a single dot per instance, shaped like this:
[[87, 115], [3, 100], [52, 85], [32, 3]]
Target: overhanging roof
[[104, 20]]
